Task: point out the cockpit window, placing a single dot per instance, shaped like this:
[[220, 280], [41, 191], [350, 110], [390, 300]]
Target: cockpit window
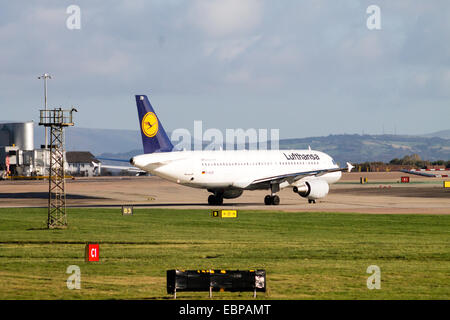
[[332, 160]]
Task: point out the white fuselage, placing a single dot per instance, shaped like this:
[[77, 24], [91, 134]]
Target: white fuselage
[[234, 169]]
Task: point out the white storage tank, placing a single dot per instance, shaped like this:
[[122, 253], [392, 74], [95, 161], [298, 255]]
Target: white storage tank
[[20, 134]]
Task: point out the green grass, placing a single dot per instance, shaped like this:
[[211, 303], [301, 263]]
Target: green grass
[[305, 255]]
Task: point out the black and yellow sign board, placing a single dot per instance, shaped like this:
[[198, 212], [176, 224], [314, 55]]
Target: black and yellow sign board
[[127, 210], [446, 184], [225, 213]]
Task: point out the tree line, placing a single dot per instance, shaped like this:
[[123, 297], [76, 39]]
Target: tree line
[[409, 160], [415, 160]]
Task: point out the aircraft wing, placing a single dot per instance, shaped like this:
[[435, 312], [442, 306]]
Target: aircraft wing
[[130, 169], [419, 173], [292, 177], [113, 159]]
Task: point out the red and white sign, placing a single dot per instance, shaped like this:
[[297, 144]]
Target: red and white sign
[[92, 252]]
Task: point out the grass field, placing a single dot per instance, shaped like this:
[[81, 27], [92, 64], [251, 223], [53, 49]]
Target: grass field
[[305, 255]]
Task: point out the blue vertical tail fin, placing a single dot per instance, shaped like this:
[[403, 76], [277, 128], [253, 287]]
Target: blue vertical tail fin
[[154, 137]]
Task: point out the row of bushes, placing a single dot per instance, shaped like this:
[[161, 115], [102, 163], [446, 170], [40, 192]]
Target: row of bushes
[[418, 162]]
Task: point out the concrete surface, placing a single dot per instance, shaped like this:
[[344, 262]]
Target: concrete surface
[[383, 194]]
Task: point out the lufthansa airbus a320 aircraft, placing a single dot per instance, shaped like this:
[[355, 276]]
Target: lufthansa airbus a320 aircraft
[[226, 174]]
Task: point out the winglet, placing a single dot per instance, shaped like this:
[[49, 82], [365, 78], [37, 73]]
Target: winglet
[[349, 167]]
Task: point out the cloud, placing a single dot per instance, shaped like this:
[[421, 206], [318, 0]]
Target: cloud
[[219, 18], [298, 55], [115, 64], [230, 49]]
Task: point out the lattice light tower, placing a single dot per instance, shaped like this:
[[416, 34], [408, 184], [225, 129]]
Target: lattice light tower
[[56, 119]]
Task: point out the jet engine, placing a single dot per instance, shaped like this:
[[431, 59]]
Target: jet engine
[[313, 189]]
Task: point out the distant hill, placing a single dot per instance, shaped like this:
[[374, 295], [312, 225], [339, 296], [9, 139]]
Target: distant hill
[[357, 148], [97, 141], [444, 134], [361, 148], [123, 144]]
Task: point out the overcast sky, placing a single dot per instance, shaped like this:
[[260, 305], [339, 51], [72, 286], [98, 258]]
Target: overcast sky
[[307, 68]]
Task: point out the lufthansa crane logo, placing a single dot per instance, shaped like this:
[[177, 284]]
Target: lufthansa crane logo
[[150, 124]]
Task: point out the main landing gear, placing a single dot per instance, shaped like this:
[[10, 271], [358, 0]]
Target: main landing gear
[[272, 200], [215, 199]]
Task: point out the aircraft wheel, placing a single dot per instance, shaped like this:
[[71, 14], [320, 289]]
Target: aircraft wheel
[[275, 200], [211, 200], [311, 201], [215, 200], [267, 200]]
